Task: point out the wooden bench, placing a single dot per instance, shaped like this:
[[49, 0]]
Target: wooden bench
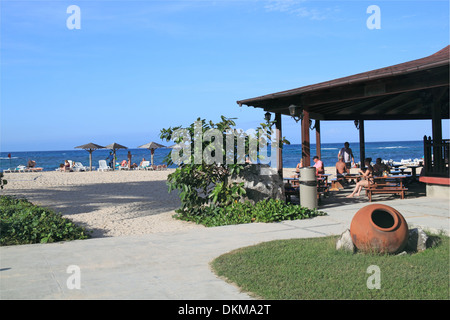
[[323, 187], [386, 188], [291, 191], [291, 188]]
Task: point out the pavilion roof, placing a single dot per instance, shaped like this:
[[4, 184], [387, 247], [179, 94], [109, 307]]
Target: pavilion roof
[[402, 91]]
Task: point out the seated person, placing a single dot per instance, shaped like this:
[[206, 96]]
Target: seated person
[[65, 167], [124, 163], [31, 164], [132, 166], [379, 168], [297, 169], [318, 164], [367, 179], [299, 165], [142, 163], [341, 167]]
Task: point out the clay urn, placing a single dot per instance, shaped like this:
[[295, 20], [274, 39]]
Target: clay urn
[[379, 228]]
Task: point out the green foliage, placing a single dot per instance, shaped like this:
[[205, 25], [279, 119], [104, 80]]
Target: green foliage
[[21, 222], [2, 181], [207, 196], [204, 187], [269, 210]]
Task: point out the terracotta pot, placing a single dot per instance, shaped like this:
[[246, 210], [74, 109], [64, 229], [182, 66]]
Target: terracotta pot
[[379, 228]]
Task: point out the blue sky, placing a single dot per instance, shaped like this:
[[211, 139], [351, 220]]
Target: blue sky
[[135, 67]]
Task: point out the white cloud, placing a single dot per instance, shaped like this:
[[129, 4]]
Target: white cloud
[[298, 8]]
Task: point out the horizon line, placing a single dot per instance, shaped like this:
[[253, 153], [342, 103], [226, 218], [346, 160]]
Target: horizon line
[[322, 143]]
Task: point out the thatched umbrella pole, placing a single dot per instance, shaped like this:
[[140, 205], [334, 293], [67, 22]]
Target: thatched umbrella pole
[[152, 146], [115, 146], [90, 147], [90, 159]]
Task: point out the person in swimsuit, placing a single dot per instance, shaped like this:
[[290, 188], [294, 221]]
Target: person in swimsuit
[[367, 178]]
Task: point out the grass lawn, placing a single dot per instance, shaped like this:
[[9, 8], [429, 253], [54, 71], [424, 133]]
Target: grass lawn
[[313, 269]]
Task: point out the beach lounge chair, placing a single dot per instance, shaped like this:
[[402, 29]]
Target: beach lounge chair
[[21, 168], [145, 165], [78, 166], [102, 166], [124, 165]]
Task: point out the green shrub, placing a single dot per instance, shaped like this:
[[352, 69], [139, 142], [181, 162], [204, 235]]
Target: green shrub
[[207, 197], [21, 222], [269, 210], [2, 180]]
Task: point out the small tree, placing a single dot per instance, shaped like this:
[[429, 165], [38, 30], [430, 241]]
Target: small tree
[[203, 182]]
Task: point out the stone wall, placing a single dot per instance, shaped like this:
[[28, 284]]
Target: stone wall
[[260, 182], [438, 191]]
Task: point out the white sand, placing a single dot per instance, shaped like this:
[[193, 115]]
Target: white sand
[[108, 203]]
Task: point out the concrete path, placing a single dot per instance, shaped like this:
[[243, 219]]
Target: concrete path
[[171, 265]]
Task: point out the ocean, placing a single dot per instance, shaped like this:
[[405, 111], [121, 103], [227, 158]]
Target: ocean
[[50, 160]]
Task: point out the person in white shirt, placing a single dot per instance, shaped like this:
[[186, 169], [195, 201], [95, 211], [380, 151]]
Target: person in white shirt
[[347, 154]]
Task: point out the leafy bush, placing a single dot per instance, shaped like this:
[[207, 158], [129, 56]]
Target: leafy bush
[[269, 210], [207, 197], [201, 182], [21, 222], [2, 180]]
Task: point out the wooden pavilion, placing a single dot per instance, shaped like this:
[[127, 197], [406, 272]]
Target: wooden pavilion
[[413, 90]]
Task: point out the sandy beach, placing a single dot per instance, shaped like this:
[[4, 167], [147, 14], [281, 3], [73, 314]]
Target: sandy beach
[[108, 203]]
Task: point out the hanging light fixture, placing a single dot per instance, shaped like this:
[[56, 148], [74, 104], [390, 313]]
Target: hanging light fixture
[[267, 116], [357, 124], [295, 112]]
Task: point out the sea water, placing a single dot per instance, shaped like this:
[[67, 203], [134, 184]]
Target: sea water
[[50, 160]]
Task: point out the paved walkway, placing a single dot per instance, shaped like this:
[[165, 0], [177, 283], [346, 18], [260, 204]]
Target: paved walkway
[[172, 265]]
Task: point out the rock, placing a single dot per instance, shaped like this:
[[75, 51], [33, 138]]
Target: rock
[[260, 182], [345, 242], [417, 240]]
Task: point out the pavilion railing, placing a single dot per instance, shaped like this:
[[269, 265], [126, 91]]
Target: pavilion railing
[[436, 157]]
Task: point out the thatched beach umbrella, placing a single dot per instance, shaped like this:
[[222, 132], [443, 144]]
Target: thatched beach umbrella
[[115, 146], [90, 147], [152, 146]]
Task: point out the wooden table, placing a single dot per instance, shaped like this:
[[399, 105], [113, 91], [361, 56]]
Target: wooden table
[[292, 189]]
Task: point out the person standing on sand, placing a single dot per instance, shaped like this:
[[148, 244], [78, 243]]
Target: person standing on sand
[[111, 160], [129, 159], [347, 154]]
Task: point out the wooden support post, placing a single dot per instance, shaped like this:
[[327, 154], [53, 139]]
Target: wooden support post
[[279, 147], [306, 147], [362, 143], [318, 147], [436, 125]]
